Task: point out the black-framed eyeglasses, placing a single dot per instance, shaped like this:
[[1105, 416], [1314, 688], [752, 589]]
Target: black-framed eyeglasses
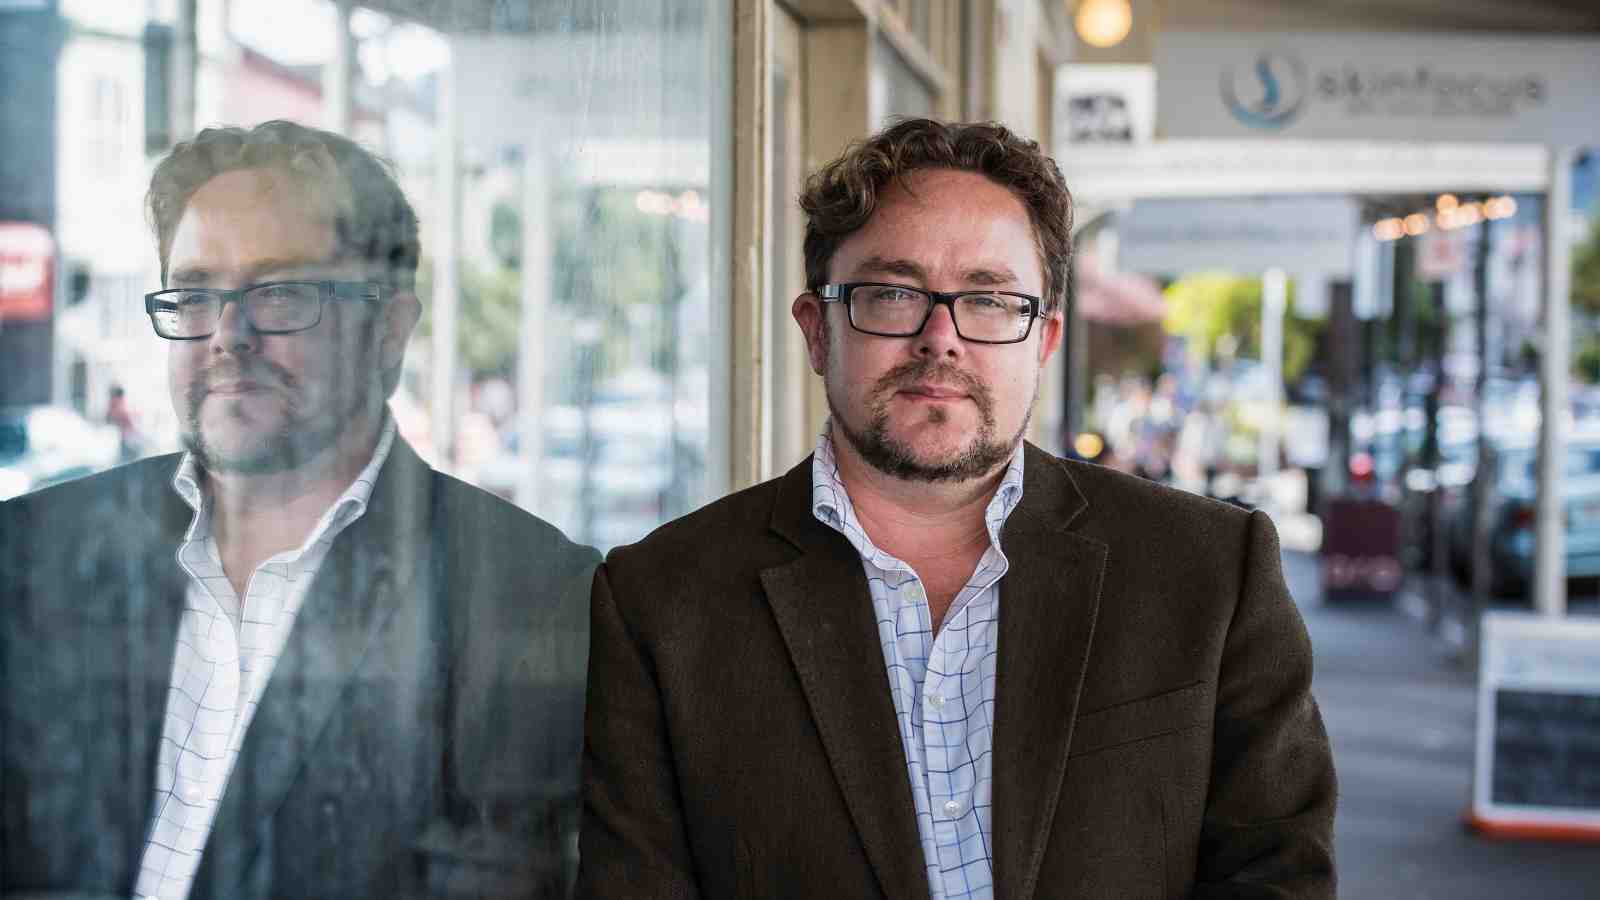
[[271, 307], [896, 310]]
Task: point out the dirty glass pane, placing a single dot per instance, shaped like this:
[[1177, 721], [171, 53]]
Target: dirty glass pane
[[357, 669]]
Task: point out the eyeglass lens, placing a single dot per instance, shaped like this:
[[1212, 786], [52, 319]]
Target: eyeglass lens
[[901, 311], [270, 307]]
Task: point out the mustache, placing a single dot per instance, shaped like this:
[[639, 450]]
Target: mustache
[[924, 370], [258, 371]]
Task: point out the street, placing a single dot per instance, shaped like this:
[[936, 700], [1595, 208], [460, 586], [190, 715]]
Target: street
[[1400, 711]]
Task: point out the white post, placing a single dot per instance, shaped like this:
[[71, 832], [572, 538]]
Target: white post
[[337, 77], [185, 70], [446, 242], [536, 288], [1550, 560], [1274, 302]]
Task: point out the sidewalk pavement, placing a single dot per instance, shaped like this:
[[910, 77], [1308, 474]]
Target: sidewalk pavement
[[1400, 711]]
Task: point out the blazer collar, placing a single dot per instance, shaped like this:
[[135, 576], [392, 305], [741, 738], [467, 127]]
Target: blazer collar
[[1049, 599], [374, 566], [154, 605], [821, 604]]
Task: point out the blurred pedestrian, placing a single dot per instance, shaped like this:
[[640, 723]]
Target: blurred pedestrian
[[130, 443]]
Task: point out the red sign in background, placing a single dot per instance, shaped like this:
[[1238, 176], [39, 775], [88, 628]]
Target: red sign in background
[[27, 272]]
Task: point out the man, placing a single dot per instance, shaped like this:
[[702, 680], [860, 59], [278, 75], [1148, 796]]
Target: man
[[933, 660], [293, 661]]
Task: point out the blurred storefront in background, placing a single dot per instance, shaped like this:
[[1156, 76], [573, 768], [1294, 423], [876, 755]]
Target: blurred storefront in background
[[611, 244], [606, 195]]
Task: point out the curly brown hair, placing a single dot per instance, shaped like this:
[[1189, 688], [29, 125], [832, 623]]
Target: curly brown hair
[[842, 196], [372, 218]]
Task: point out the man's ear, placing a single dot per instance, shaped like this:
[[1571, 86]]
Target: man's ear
[[400, 317], [1050, 328], [812, 315]]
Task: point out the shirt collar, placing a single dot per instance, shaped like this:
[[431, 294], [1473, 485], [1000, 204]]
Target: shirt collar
[[830, 501], [349, 506]]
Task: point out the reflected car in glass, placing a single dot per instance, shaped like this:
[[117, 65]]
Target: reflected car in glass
[[45, 445]]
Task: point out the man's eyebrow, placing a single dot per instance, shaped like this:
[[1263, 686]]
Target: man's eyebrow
[[259, 267], [892, 266], [988, 276], [189, 276], [192, 276]]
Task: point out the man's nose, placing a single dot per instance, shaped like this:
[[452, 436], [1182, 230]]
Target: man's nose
[[233, 334], [939, 336]]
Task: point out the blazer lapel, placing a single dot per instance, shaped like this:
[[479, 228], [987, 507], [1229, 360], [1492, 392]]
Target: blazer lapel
[[823, 607], [1049, 599], [371, 569], [152, 630]]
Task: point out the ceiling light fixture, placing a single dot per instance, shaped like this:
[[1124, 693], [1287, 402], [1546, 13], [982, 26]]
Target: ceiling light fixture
[[1103, 23]]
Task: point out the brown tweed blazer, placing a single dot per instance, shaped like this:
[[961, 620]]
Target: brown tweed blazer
[[1155, 734]]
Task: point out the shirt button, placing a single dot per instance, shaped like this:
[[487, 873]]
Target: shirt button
[[915, 592], [952, 808], [192, 795], [936, 701]]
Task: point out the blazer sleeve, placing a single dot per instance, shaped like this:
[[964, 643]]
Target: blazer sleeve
[[633, 842], [1268, 825]]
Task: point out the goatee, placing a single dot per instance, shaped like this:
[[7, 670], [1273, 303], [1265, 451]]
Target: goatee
[[982, 455]]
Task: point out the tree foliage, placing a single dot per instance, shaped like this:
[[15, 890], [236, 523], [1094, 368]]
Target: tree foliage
[[1206, 306], [488, 316], [608, 257], [1586, 271]]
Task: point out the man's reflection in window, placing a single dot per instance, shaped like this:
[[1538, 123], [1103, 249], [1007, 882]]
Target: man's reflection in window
[[293, 660]]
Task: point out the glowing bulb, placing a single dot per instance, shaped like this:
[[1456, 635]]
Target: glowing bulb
[[1089, 445], [1447, 202], [1104, 23], [1415, 224], [1500, 208]]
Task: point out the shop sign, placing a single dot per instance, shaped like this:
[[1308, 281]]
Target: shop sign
[[1240, 234], [1106, 104], [1383, 86], [1538, 728], [27, 269]]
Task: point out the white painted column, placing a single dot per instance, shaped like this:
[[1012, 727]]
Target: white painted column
[[446, 280], [1274, 303], [1550, 555], [185, 71], [338, 77], [537, 242]]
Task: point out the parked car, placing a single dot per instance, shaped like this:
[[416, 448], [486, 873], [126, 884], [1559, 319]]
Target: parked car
[[44, 445], [1513, 515]]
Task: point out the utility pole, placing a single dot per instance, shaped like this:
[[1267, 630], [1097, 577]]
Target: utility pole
[[446, 266], [1274, 303], [1550, 568], [1484, 474], [185, 70]]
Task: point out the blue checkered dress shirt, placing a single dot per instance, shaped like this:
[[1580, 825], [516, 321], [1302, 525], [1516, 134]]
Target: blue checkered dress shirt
[[943, 685]]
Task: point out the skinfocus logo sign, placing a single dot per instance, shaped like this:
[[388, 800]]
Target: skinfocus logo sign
[[1267, 94], [1426, 91], [1272, 91], [1386, 86]]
